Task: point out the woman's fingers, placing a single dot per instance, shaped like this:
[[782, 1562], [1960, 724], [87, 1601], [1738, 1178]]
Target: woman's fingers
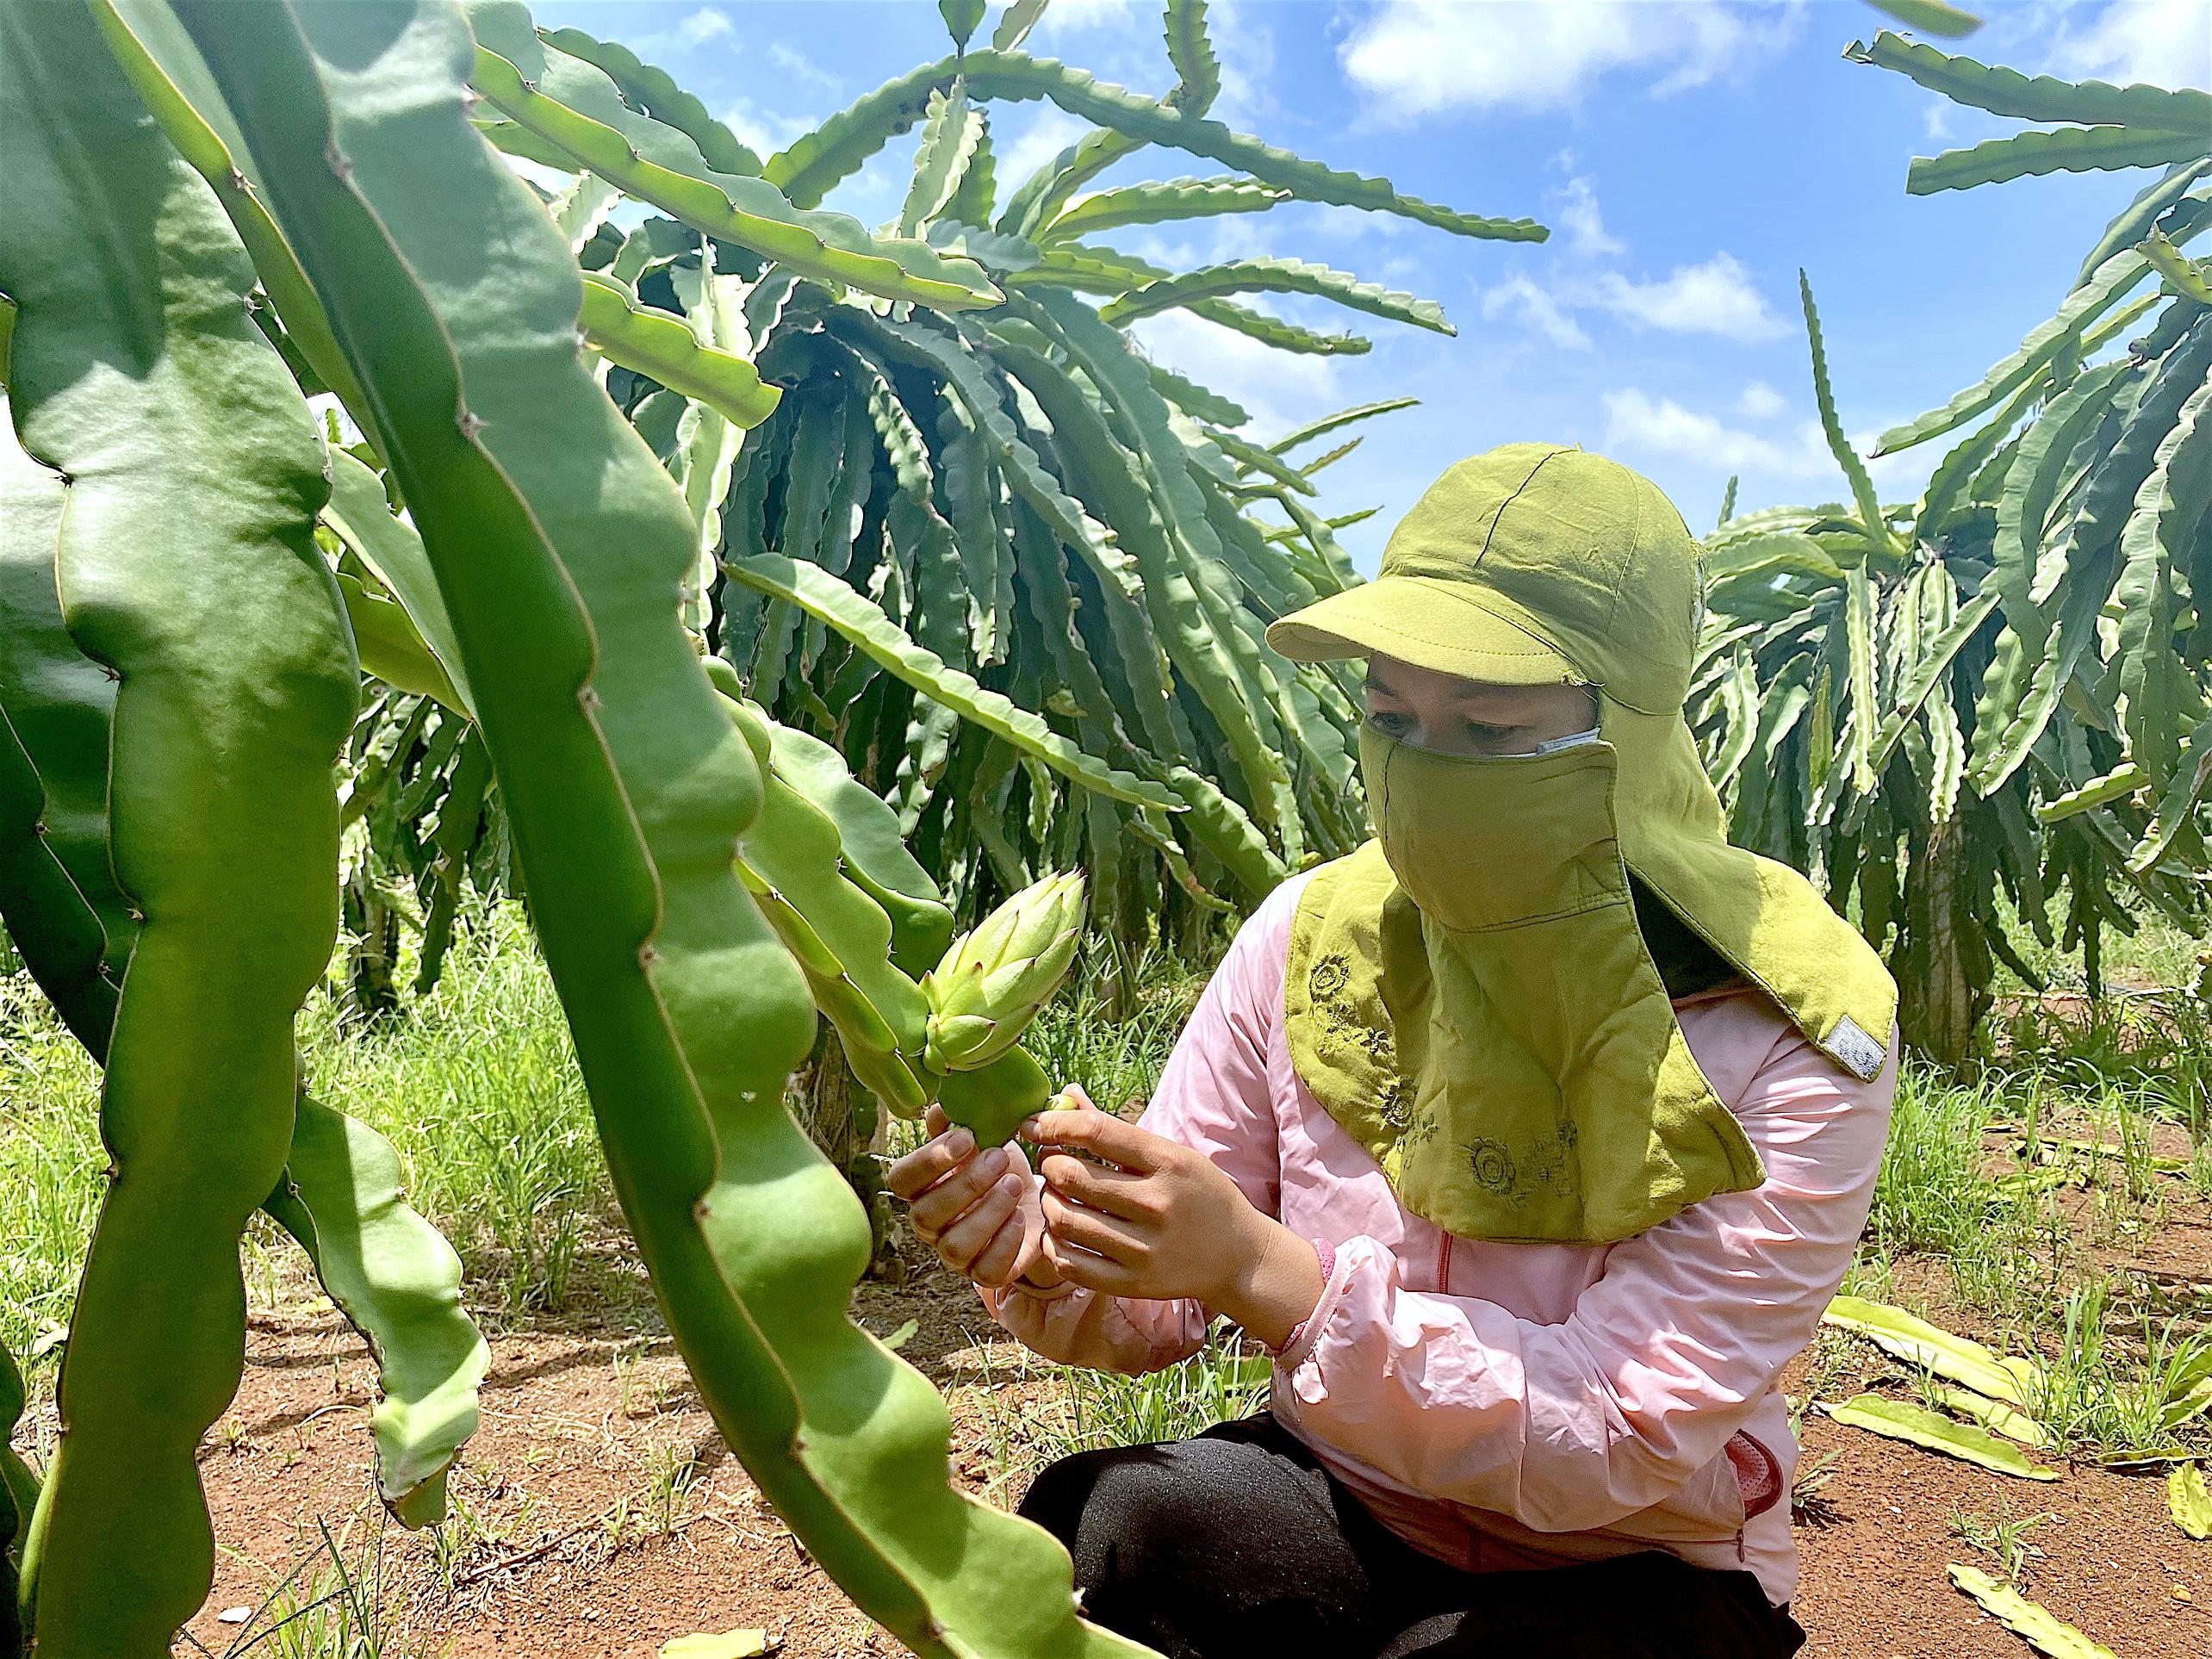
[[938, 1208], [1093, 1272], [962, 1242], [1117, 1192], [930, 1162], [994, 1264], [1087, 1229], [1102, 1133]]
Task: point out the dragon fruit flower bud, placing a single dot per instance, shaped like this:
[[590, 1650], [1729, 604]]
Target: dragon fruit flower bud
[[993, 979]]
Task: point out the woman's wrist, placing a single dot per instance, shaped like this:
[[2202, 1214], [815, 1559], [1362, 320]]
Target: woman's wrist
[[1279, 1287]]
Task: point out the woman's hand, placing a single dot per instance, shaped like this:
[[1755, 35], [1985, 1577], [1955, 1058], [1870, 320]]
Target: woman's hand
[[1160, 1220], [977, 1209]]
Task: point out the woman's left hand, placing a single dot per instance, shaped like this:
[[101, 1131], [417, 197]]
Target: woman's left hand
[[1158, 1219]]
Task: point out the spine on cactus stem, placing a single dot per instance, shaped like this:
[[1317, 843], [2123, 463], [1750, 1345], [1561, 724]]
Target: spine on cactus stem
[[560, 548]]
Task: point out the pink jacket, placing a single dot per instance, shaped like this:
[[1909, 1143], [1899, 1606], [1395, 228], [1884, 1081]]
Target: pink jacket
[[1509, 1405]]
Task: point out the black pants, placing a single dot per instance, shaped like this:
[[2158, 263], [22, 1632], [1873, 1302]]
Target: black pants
[[1240, 1543]]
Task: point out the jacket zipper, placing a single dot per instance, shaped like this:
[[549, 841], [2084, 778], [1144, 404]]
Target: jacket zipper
[[1444, 1263]]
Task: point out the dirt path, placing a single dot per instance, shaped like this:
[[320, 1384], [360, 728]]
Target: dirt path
[[1874, 1587], [597, 1514]]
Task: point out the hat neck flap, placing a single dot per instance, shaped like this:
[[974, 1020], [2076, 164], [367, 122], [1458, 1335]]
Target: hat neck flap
[[1470, 998]]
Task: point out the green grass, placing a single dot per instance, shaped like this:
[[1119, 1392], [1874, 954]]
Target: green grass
[[1116, 1061], [1080, 1410], [335, 1602], [474, 1083], [2109, 1383], [2029, 1241], [2004, 1537], [52, 1166], [477, 1086], [2160, 952]]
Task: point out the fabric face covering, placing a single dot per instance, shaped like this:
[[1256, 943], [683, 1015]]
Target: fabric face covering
[[1479, 1006]]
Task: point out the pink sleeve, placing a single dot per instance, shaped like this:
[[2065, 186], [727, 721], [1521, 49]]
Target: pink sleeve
[[1212, 1096], [1573, 1427]]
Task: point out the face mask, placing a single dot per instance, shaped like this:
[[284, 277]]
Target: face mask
[[1470, 996], [1490, 841]]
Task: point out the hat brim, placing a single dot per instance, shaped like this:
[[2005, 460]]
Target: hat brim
[[1441, 625]]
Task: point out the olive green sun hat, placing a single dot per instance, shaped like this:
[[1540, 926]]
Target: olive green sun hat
[[1530, 564]]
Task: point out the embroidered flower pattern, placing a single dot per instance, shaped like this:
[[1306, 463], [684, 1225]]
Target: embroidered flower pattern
[[1342, 1027], [1396, 1105], [1512, 1174], [1493, 1166]]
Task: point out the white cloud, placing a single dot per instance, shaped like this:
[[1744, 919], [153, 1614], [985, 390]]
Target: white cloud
[[1279, 387], [1418, 58], [765, 129], [798, 66], [1634, 421], [1716, 297], [1049, 132], [1761, 401], [1519, 297], [1638, 424], [2165, 42], [1935, 122], [1586, 229], [704, 25]]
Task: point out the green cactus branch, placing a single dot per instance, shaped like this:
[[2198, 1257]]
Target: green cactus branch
[[1275, 276], [662, 345], [813, 163], [572, 106], [627, 785], [185, 562]]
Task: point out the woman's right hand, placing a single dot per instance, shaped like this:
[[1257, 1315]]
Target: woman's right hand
[[978, 1208]]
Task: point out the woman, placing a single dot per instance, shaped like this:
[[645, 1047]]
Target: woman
[[1531, 1139]]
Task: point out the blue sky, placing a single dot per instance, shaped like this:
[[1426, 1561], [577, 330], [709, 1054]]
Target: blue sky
[[1689, 155]]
